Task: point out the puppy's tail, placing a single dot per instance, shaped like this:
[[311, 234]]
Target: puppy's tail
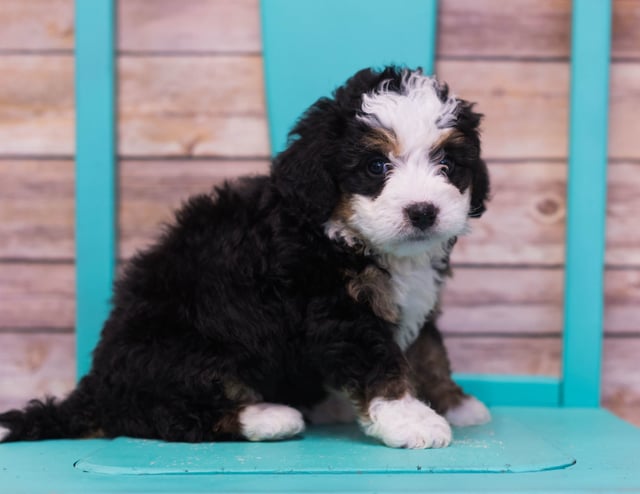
[[73, 417]]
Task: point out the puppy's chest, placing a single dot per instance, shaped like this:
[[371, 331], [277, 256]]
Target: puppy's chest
[[414, 287], [402, 291]]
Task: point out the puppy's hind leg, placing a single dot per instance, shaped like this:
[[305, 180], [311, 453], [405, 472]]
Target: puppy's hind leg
[[226, 420], [257, 420], [471, 411], [269, 422], [431, 378]]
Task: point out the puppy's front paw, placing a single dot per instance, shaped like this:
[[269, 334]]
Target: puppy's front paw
[[470, 411], [406, 423]]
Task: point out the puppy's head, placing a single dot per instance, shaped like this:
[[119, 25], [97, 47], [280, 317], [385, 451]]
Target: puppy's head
[[393, 159]]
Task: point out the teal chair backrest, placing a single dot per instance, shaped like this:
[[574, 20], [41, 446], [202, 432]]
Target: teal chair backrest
[[310, 47], [96, 164]]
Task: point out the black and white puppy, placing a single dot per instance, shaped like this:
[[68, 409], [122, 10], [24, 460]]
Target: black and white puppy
[[312, 290]]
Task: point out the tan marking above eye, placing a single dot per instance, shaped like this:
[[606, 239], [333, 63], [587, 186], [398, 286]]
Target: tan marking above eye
[[448, 137], [383, 141]]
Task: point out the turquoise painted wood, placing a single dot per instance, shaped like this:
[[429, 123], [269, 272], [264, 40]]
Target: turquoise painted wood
[[95, 171], [586, 202], [509, 390], [606, 450], [311, 47], [507, 444]]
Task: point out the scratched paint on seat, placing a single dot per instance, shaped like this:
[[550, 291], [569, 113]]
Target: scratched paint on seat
[[505, 445]]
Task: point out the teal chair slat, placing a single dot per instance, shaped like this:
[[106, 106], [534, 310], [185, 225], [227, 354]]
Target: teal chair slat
[[95, 171], [314, 46], [586, 202], [507, 390]]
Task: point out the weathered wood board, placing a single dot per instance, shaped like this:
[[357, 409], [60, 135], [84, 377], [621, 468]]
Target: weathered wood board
[[213, 106], [193, 26], [467, 28], [36, 25]]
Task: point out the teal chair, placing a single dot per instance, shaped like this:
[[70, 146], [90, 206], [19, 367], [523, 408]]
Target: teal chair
[[547, 434]]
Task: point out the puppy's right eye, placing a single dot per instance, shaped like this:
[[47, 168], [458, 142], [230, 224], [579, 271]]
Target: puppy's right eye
[[378, 167]]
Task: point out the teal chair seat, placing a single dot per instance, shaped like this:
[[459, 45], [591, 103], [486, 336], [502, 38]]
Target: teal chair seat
[[547, 434]]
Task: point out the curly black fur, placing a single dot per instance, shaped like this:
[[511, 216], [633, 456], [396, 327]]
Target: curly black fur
[[242, 298]]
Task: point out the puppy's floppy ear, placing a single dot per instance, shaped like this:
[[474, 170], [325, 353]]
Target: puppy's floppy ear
[[304, 173], [479, 189], [468, 122]]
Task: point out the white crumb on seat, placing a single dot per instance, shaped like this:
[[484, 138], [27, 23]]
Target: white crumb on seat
[[270, 422], [406, 423], [470, 412], [335, 409]]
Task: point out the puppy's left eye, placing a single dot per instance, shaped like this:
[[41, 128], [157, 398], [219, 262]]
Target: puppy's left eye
[[447, 164], [378, 167]]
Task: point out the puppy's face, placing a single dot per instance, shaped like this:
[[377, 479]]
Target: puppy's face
[[399, 158], [410, 185]]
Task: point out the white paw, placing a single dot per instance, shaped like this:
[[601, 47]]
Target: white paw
[[270, 422], [4, 432], [406, 423], [470, 412], [335, 409]]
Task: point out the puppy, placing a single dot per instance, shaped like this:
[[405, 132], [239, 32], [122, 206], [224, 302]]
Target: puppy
[[312, 289]]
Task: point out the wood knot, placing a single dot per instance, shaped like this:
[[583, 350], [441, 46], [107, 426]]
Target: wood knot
[[550, 209], [548, 206]]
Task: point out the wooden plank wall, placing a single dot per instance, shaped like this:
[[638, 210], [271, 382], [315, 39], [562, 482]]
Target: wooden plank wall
[[191, 113]]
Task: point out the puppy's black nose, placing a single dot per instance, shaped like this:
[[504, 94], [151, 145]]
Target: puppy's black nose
[[422, 215]]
